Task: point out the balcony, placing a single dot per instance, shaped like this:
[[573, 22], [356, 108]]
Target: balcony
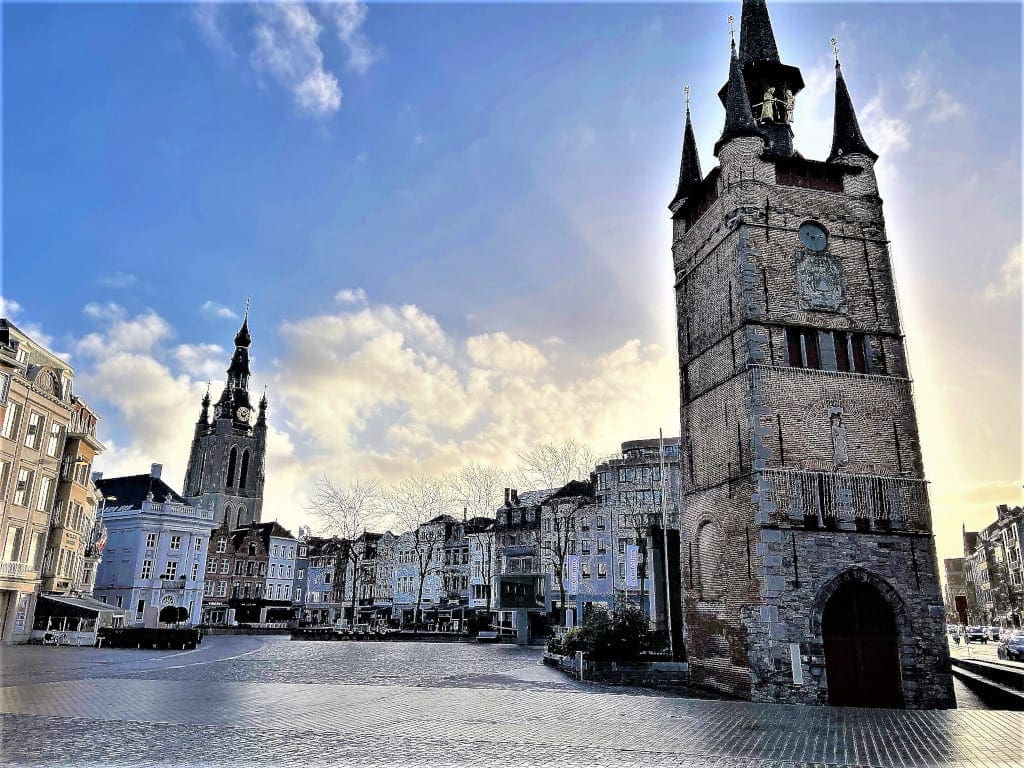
[[843, 501], [522, 565], [522, 550], [10, 569], [173, 583]]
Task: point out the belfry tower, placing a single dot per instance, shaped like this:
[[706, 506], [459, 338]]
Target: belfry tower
[[810, 571], [225, 465]]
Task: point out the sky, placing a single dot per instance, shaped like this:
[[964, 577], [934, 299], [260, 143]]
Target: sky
[[451, 219]]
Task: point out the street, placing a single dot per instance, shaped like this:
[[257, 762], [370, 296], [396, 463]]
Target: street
[[269, 700]]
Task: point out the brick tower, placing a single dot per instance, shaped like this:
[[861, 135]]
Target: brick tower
[[810, 572], [225, 464]]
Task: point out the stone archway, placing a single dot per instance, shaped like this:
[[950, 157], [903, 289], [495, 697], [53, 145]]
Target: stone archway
[[861, 623]]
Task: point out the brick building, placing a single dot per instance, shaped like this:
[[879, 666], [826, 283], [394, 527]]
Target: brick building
[[236, 575], [811, 573]]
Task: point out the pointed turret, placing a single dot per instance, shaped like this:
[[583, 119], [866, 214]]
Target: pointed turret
[[846, 136], [242, 338], [204, 414], [739, 120], [261, 419], [757, 40], [690, 176]]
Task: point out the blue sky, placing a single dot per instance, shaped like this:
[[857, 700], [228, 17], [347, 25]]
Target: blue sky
[[443, 212]]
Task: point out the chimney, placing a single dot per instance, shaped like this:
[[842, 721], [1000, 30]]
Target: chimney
[[506, 496], [155, 470], [515, 497]]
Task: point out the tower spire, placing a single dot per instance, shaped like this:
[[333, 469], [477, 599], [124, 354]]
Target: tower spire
[[757, 40], [846, 136], [242, 338], [689, 166], [739, 120]]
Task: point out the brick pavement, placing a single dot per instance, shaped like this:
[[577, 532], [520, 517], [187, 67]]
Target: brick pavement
[[214, 707]]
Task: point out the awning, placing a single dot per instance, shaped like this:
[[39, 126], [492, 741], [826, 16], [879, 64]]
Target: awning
[[65, 605]]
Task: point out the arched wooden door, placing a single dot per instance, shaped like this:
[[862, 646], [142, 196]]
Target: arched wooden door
[[862, 657]]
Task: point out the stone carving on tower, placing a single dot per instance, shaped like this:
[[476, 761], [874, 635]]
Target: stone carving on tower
[[226, 463], [810, 570]]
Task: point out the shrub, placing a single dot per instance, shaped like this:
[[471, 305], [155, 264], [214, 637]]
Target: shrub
[[619, 635]]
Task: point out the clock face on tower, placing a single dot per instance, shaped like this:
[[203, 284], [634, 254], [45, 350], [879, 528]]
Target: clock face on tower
[[813, 236], [242, 414]]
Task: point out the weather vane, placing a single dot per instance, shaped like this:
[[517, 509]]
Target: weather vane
[[732, 28], [686, 96], [835, 48], [248, 303]]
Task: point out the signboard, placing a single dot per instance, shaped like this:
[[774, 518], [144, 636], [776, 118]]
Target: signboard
[[21, 616], [519, 592], [572, 574], [632, 566]]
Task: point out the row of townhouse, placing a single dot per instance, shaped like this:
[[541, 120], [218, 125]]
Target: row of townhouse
[[48, 502], [556, 551], [986, 585]]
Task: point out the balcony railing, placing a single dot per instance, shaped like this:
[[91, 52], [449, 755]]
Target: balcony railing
[[172, 508], [10, 568], [519, 550], [522, 565], [172, 583], [845, 501]]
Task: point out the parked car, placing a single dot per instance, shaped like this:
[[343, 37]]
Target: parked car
[[976, 634], [994, 632], [1012, 647]]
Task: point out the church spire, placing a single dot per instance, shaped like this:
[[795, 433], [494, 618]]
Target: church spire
[[739, 120], [689, 166], [846, 136], [242, 338], [757, 40]]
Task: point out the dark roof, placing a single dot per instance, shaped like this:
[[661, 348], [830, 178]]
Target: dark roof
[[573, 489], [531, 498], [757, 40], [846, 136], [478, 524], [739, 120], [970, 542], [273, 528], [134, 489], [689, 165]]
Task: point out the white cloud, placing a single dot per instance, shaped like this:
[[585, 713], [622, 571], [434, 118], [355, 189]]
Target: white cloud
[[349, 17], [9, 307], [287, 48], [212, 310], [498, 351], [209, 17], [202, 361], [1010, 277], [103, 311], [141, 333], [885, 133], [118, 280], [922, 93], [351, 296]]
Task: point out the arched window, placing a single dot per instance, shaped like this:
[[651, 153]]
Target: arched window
[[232, 460], [245, 469], [197, 481]]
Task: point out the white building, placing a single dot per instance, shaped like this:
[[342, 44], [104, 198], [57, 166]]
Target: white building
[[156, 549]]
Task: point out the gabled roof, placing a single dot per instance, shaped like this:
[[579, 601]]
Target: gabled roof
[[131, 491], [573, 489], [273, 528]]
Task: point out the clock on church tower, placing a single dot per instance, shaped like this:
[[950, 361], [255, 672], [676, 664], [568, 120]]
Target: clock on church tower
[[226, 461], [811, 570]]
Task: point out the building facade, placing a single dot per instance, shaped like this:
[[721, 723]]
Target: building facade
[[156, 549], [808, 536], [992, 570], [226, 462], [69, 565], [37, 405]]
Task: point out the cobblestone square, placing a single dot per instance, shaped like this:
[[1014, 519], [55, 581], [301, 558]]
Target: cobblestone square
[[269, 700]]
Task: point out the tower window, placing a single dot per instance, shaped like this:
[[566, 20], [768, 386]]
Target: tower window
[[245, 469], [802, 344], [826, 350], [232, 460]]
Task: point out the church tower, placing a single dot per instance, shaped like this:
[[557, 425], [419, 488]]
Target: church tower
[[810, 573], [225, 465]]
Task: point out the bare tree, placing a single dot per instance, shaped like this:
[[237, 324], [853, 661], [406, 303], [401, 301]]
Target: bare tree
[[478, 490], [552, 465], [416, 504], [560, 522], [347, 511], [638, 510]]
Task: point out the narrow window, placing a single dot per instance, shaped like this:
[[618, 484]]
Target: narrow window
[[245, 469], [857, 352], [232, 459]]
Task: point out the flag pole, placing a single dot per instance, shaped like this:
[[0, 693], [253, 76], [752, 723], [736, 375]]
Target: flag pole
[[664, 544]]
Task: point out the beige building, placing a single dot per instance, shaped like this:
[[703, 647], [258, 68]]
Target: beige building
[[69, 565], [37, 406]]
